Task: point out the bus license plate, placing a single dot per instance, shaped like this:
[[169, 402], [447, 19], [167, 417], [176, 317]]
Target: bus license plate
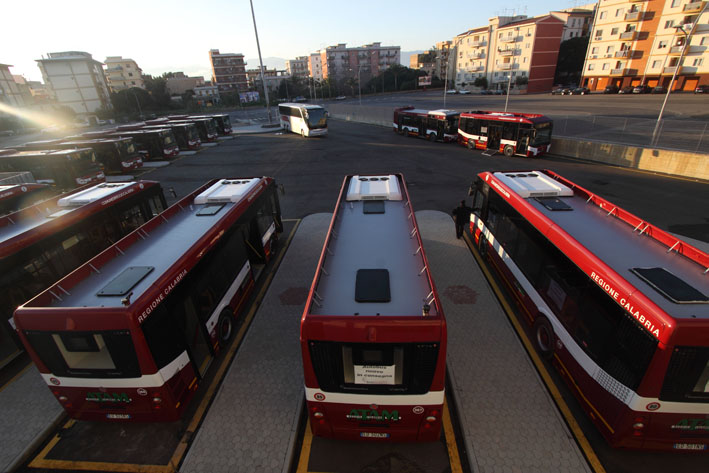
[[690, 446], [117, 416], [374, 435]]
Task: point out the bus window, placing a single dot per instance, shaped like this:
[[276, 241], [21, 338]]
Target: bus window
[[687, 376], [509, 131], [163, 336]]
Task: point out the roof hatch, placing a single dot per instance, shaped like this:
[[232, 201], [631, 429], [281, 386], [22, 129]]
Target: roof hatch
[[670, 286], [92, 194], [374, 188], [533, 184], [226, 190]]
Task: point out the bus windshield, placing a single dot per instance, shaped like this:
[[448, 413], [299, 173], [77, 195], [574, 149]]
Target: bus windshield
[[167, 139], [542, 134], [316, 117], [452, 125], [86, 354]]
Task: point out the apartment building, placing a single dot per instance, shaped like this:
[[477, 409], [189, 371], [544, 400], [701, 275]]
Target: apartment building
[[577, 21], [315, 66], [435, 61], [272, 77], [75, 79], [648, 42], [228, 71], [180, 83], [340, 62], [298, 67], [123, 74], [10, 93], [516, 51]]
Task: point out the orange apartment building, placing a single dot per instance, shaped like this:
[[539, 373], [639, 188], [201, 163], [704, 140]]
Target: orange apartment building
[[645, 42]]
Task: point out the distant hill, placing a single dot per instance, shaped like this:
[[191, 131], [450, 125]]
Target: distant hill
[[406, 55], [268, 62]]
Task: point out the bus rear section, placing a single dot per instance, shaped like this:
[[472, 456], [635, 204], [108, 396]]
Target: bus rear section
[[434, 125], [373, 335], [619, 306], [130, 334], [64, 169], [302, 119], [511, 134]]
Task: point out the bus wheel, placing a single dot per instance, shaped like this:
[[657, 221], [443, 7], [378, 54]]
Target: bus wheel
[[432, 137], [225, 326], [471, 144], [509, 151], [544, 337]]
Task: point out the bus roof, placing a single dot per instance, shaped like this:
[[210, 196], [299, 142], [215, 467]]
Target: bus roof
[[45, 152], [299, 105], [507, 116], [589, 220], [143, 260], [42, 219], [7, 191], [375, 266]]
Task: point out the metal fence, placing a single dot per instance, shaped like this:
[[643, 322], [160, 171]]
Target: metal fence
[[684, 135]]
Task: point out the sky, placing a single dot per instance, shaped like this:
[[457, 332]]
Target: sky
[[177, 35]]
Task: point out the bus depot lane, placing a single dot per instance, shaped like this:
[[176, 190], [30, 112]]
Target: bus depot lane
[[150, 447], [319, 454]]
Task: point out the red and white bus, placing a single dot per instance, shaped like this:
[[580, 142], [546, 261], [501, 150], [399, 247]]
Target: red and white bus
[[18, 196], [618, 305], [373, 334], [43, 242], [130, 334], [435, 125], [523, 134]]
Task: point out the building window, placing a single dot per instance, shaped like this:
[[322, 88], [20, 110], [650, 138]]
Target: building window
[[704, 41], [614, 31], [603, 15], [130, 74], [656, 64], [591, 66], [609, 49], [605, 67], [675, 3], [618, 12], [594, 50], [669, 24], [698, 62], [599, 33], [524, 60], [662, 44]]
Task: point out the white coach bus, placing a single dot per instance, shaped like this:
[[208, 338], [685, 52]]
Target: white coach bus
[[305, 119]]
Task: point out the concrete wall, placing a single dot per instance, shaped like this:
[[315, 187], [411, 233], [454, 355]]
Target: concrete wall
[[677, 163]]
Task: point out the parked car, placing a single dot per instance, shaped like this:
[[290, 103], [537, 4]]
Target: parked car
[[486, 92], [299, 99], [558, 90], [702, 89], [463, 92], [451, 91], [611, 89], [580, 91], [642, 89], [341, 97], [628, 89], [659, 89]]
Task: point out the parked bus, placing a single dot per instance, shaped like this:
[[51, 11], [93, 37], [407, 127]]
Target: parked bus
[[524, 134], [65, 169], [133, 331], [18, 196], [206, 127], [618, 305], [222, 121], [44, 242], [435, 125], [304, 119], [116, 155], [373, 334], [186, 134], [153, 145]]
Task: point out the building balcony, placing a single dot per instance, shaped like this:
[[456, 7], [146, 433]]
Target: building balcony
[[687, 27], [627, 54], [476, 68], [501, 79], [692, 7], [114, 69], [478, 55], [508, 52], [634, 16], [508, 66], [622, 71], [676, 50], [477, 44], [510, 39], [671, 70], [628, 35]]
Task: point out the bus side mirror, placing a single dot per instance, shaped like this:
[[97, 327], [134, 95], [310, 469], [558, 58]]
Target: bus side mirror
[[471, 190]]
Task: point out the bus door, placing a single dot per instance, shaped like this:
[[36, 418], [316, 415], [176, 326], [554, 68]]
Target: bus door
[[525, 136], [494, 133], [195, 333]]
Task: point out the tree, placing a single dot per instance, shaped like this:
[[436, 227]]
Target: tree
[[569, 64], [157, 87], [521, 80], [480, 82], [131, 101]]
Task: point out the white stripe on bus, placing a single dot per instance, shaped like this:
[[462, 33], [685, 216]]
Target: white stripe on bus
[[212, 321], [631, 399], [431, 398]]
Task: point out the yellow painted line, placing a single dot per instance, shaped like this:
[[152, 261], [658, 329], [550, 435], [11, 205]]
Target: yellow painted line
[[305, 450], [42, 462], [453, 456], [16, 377], [581, 439]]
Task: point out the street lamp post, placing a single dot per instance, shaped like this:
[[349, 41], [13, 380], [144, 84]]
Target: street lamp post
[[687, 37], [359, 83], [263, 81], [445, 85], [509, 83]]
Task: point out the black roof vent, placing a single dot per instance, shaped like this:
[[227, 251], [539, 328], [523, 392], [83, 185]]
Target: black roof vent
[[670, 286], [553, 203], [372, 285], [373, 207], [124, 282]]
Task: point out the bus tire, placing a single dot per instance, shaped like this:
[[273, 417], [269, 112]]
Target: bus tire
[[225, 326], [431, 137], [471, 144], [544, 337], [509, 151]]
